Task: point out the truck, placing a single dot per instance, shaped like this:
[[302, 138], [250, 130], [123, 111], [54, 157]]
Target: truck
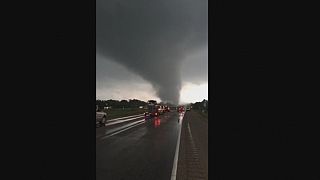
[[153, 109]]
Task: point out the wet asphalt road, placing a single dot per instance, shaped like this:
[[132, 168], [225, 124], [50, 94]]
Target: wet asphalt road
[[144, 152]]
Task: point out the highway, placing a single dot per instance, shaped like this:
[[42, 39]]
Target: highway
[[137, 147]]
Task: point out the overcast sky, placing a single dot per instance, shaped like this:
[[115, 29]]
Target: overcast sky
[[150, 49]]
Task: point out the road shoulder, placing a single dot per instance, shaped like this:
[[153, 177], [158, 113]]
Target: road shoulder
[[193, 153]]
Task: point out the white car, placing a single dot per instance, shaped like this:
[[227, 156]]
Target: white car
[[101, 117]]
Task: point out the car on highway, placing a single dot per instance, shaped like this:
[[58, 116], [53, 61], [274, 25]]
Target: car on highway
[[101, 117], [160, 109], [166, 109], [180, 109], [188, 109]]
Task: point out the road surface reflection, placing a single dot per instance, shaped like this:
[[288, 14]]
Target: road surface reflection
[[157, 122]]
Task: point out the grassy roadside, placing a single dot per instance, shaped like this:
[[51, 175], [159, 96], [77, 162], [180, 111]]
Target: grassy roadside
[[203, 114], [116, 113]]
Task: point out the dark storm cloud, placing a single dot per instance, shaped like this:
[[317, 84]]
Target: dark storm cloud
[[195, 68], [152, 37], [108, 70]]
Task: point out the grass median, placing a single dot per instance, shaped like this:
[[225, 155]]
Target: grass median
[[120, 112]]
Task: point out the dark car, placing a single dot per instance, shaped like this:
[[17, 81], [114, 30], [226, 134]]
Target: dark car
[[166, 109]]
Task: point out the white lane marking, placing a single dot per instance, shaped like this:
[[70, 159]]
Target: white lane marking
[[140, 115], [136, 124], [120, 128], [176, 156], [121, 121]]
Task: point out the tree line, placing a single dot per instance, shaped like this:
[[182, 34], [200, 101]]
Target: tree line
[[131, 103], [203, 105], [135, 103]]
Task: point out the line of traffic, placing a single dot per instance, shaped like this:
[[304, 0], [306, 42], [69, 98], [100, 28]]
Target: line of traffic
[[123, 128]]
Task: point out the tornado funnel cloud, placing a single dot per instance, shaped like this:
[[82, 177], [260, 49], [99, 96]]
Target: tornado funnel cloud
[[152, 38]]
